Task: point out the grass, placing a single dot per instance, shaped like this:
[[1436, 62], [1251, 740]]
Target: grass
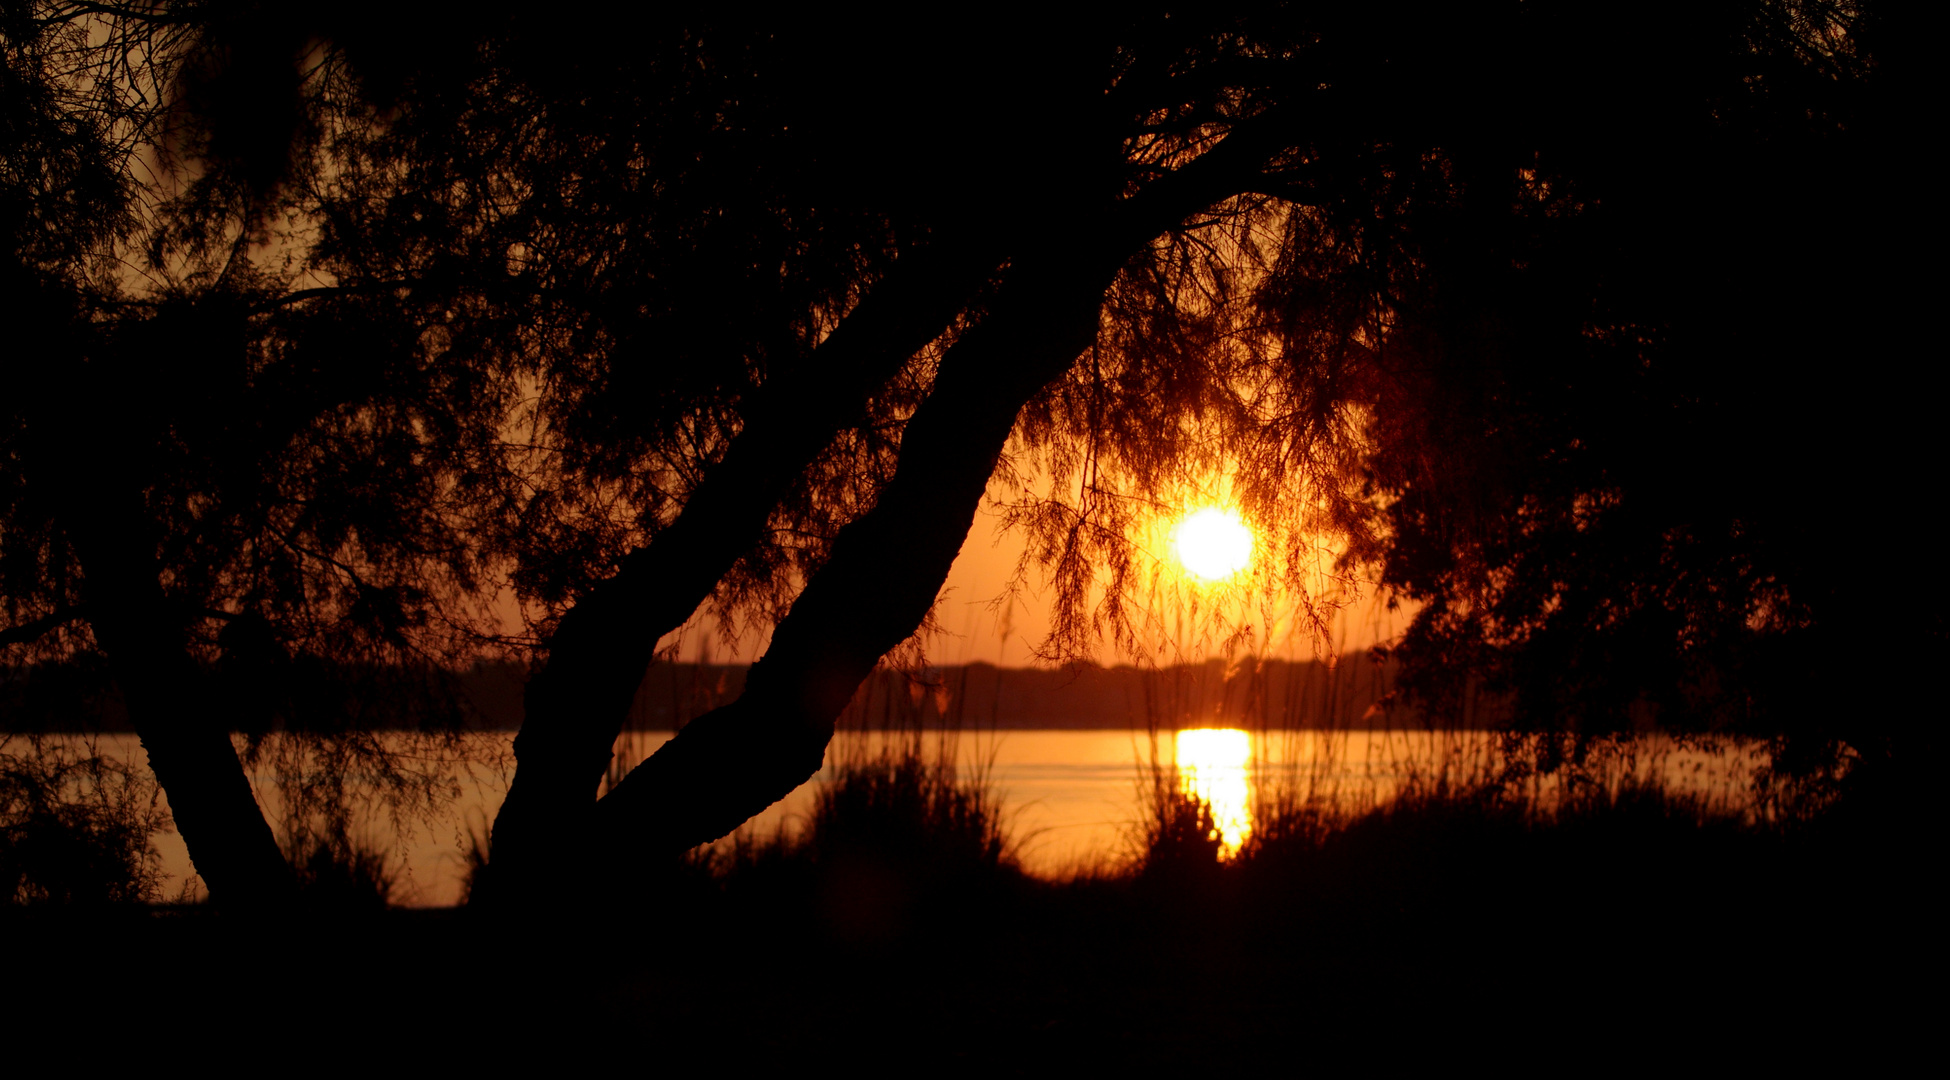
[[1469, 912], [897, 841], [339, 874], [896, 837], [1458, 920], [1472, 914]]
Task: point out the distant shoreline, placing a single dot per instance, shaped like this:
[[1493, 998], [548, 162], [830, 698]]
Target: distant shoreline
[[1350, 693]]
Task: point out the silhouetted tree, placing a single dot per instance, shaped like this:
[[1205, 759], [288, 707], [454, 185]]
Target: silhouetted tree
[[748, 315]]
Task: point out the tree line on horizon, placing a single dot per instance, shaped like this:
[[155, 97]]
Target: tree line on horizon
[[1355, 690]]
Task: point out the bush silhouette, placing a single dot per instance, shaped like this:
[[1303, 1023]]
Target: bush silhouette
[[75, 827]]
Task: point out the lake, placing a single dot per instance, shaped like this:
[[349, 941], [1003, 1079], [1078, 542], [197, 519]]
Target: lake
[[1073, 799]]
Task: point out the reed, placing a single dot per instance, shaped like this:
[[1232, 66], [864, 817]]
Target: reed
[[901, 835], [339, 873]]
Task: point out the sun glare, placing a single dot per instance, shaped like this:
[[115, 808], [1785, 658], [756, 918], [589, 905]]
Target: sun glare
[[1212, 766], [1213, 544]]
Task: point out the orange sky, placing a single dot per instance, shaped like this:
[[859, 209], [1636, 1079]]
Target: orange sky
[[973, 628]]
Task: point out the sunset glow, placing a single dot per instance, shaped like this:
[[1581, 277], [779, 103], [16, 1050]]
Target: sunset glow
[[1213, 544], [1212, 765]]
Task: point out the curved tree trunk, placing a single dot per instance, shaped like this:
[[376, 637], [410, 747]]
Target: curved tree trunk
[[189, 749], [576, 706], [886, 569], [888, 566]]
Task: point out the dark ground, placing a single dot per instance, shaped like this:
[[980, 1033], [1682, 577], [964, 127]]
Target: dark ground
[[1634, 938]]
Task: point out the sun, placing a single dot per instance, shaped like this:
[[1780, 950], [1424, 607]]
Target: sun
[[1213, 543]]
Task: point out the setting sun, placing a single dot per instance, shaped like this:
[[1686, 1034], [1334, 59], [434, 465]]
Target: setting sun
[[1213, 543]]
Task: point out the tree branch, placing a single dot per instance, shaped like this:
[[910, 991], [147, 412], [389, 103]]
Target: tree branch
[[35, 629]]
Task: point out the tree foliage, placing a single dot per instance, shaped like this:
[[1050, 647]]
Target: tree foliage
[[344, 323]]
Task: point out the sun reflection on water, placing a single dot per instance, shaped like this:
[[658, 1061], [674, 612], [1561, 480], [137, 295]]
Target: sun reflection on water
[[1213, 765]]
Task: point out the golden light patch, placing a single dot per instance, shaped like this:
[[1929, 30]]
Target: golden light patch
[[1213, 544], [1213, 766]]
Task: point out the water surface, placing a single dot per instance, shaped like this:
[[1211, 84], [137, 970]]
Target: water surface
[[1072, 799]]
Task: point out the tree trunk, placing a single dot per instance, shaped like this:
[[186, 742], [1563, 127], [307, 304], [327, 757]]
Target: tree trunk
[[576, 706], [888, 566], [189, 751], [886, 569]]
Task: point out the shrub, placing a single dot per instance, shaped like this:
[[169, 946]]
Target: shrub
[[75, 826], [337, 873]]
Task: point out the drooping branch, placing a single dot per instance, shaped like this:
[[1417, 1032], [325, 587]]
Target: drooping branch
[[35, 629]]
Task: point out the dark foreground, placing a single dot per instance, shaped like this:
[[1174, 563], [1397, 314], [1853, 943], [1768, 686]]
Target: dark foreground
[[1450, 932]]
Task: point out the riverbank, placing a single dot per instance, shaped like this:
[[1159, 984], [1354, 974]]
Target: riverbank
[[1450, 928]]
